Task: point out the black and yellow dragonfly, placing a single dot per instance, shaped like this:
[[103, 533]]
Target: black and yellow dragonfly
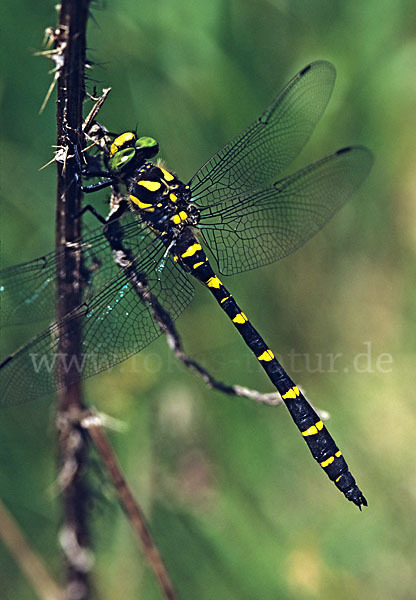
[[152, 247]]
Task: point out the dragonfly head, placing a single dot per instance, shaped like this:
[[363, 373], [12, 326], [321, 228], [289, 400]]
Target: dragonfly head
[[128, 152]]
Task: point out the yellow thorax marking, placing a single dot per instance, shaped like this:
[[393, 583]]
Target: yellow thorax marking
[[292, 393], [142, 205], [173, 197], [182, 216], [240, 318], [152, 186], [198, 264], [224, 299], [120, 141], [214, 282], [338, 454], [192, 250], [168, 176], [313, 429], [266, 356]]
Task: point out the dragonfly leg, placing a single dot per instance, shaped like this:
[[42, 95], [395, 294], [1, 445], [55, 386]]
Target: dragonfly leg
[[89, 208]]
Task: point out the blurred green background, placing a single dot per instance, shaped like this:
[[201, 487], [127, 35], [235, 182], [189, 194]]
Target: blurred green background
[[238, 507]]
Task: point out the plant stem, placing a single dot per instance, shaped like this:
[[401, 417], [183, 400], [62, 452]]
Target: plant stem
[[69, 58]]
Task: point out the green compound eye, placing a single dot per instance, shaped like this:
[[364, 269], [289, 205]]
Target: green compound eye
[[148, 146], [121, 159], [122, 141], [146, 142], [142, 148]]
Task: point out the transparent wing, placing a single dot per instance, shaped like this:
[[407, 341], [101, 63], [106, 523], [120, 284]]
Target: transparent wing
[[256, 156], [28, 290], [251, 230], [115, 324]]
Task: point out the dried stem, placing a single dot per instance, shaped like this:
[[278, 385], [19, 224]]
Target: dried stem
[[69, 58], [129, 504]]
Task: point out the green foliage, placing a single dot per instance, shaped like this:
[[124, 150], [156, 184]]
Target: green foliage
[[237, 505]]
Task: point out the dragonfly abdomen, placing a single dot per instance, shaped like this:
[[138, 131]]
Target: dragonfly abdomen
[[190, 255]]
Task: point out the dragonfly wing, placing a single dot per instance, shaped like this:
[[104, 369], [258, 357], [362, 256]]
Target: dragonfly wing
[[115, 323], [257, 155], [28, 290], [255, 229]]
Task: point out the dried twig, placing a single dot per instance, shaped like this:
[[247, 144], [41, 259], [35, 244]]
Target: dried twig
[[69, 41], [92, 423]]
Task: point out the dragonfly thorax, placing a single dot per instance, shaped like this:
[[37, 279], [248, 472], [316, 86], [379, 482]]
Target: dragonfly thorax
[[161, 199]]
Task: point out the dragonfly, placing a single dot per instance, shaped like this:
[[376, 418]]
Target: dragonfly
[[152, 248]]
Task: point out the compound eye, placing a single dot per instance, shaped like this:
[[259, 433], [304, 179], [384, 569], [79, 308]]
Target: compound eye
[[122, 141], [121, 159], [148, 146]]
